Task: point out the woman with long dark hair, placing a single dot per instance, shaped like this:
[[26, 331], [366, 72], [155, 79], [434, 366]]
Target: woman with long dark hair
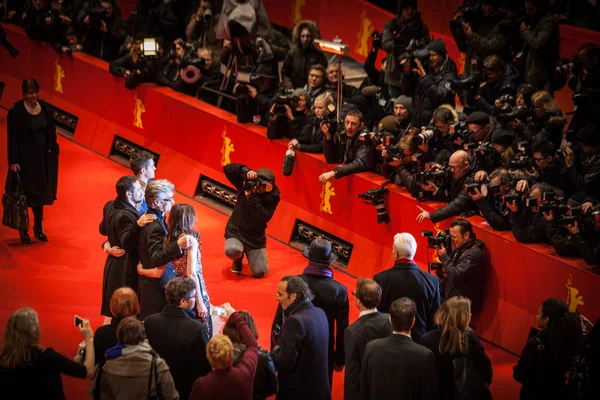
[[182, 221], [452, 339], [33, 154], [548, 355]]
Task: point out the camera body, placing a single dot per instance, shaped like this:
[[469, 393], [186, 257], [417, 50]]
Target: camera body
[[417, 48], [376, 197], [442, 238], [438, 176], [426, 134], [330, 119], [285, 98], [508, 102], [254, 185]]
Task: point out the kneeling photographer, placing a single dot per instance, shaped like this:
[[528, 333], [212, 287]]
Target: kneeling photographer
[[464, 266], [257, 199], [289, 115], [347, 147], [452, 192], [488, 193]]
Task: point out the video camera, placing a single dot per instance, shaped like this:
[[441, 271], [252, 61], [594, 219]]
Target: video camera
[[416, 49], [443, 238], [376, 40], [376, 197], [284, 98]]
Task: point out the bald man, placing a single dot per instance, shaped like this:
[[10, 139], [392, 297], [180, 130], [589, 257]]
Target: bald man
[[459, 201]]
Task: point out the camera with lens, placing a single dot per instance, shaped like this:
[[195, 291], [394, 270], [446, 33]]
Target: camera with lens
[[443, 238], [518, 112], [254, 185], [376, 197], [508, 102], [416, 49], [376, 40], [459, 131], [486, 157], [471, 187], [426, 134], [191, 69], [469, 84], [330, 119], [284, 98], [566, 65], [438, 176], [208, 14]]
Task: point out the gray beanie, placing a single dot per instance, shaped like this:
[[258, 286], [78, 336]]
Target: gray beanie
[[244, 15], [405, 101], [303, 93]]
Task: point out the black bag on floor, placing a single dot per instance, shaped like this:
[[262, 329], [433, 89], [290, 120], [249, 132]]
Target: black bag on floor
[[14, 201]]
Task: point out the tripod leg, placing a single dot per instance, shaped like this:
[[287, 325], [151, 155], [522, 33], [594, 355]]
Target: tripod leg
[[225, 81]]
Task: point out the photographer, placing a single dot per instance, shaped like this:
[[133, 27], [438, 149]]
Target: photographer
[[431, 89], [254, 99], [386, 143], [348, 147], [288, 120], [211, 76], [257, 199], [465, 265], [584, 81], [526, 220], [132, 66], [169, 67], [541, 37], [302, 55], [310, 138], [408, 170], [373, 88], [171, 19], [11, 11], [69, 40], [548, 121], [439, 147], [501, 82], [459, 201], [37, 20], [482, 127], [548, 168], [587, 244], [103, 29], [397, 34], [494, 211], [588, 178], [403, 110], [201, 25]]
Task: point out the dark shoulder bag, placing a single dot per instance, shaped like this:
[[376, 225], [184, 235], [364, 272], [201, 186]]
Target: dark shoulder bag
[[155, 394], [14, 201], [468, 384]]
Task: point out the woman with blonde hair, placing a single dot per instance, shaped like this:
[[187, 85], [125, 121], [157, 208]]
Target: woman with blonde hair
[[548, 120], [452, 340], [30, 371]]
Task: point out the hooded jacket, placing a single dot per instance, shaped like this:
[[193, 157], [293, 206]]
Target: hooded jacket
[[542, 44], [299, 59], [490, 92], [126, 371]]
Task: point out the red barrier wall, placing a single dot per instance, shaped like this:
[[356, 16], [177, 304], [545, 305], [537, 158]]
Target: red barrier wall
[[190, 136]]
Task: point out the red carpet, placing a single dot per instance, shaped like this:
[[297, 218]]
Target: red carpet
[[64, 276]]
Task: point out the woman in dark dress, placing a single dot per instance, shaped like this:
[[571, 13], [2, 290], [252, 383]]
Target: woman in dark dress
[[452, 339], [33, 153], [29, 371], [548, 355]]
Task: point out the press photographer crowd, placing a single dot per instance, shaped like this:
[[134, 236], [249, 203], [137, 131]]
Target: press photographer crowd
[[491, 141]]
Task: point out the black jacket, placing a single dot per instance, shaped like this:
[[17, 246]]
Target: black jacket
[[279, 127], [560, 239], [297, 63], [486, 40], [154, 254], [250, 215], [355, 155], [265, 379], [331, 297], [119, 224], [105, 45], [301, 356], [37, 158], [431, 93], [408, 280], [542, 44], [181, 340], [588, 249], [445, 367], [310, 137], [465, 272], [495, 214], [398, 368], [555, 175], [527, 226], [588, 180], [459, 201], [367, 328], [587, 98], [105, 338], [489, 93]]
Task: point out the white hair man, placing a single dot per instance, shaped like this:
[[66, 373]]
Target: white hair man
[[406, 279]]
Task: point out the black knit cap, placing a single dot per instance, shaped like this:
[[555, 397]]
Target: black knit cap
[[589, 135], [503, 137], [478, 118]]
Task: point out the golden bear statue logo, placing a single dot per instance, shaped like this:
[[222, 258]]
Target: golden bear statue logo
[[138, 110], [227, 149], [573, 300], [364, 34], [326, 192], [59, 74], [296, 13]]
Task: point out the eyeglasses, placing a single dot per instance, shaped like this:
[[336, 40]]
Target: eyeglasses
[[454, 167], [315, 76], [169, 200]]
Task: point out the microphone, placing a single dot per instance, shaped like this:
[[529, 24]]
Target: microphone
[[370, 91]]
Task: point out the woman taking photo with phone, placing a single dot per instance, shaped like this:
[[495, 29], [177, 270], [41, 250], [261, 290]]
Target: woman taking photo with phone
[[182, 221], [33, 155]]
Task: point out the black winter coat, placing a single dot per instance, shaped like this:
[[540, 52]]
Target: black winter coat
[[311, 137], [459, 201], [408, 280], [119, 223], [154, 254], [301, 356], [431, 93], [281, 126], [445, 366], [587, 109], [331, 297], [265, 380], [542, 44], [297, 63], [495, 214], [105, 45], [38, 161], [181, 340], [589, 248], [354, 153], [559, 238], [490, 93], [465, 272], [250, 215], [486, 40], [527, 226], [588, 180]]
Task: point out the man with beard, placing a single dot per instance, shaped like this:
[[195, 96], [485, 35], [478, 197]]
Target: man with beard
[[302, 56], [122, 224]]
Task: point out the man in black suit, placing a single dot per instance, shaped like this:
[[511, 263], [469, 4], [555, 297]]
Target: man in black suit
[[396, 367], [300, 355], [371, 325], [179, 337], [406, 279], [330, 296]]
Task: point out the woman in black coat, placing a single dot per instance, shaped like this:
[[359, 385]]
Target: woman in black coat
[[453, 339], [549, 354], [33, 153]]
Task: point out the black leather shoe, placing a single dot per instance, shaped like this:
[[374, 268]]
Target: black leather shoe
[[236, 267], [39, 234], [25, 239]]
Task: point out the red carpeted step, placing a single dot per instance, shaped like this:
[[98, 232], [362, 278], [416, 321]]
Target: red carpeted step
[[64, 276]]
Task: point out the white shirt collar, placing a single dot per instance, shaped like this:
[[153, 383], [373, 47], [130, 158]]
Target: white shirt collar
[[367, 312], [403, 334]]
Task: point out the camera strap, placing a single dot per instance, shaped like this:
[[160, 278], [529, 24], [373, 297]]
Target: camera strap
[[459, 254]]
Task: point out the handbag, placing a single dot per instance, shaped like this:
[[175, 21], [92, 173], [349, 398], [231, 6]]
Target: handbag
[[468, 384], [15, 215], [155, 394]]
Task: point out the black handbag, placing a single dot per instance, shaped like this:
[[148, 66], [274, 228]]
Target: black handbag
[[155, 394], [14, 201], [468, 384]]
